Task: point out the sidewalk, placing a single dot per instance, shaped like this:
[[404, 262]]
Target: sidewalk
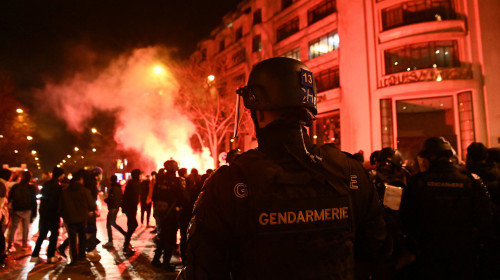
[[112, 265]]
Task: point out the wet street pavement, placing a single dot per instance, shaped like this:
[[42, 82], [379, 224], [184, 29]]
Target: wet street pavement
[[112, 265]]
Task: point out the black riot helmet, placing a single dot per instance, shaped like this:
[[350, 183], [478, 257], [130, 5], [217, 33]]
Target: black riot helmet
[[437, 148], [171, 165], [279, 83], [390, 157]]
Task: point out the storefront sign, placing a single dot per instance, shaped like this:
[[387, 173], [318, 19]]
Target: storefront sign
[[432, 74]]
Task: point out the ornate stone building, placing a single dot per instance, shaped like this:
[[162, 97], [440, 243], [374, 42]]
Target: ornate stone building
[[390, 73]]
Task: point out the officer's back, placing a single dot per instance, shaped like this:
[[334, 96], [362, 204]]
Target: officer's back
[[289, 209], [447, 211]]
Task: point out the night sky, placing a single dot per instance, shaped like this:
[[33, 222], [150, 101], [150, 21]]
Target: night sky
[[38, 38]]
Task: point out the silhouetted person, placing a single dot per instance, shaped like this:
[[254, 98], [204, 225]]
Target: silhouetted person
[[49, 216], [114, 201], [129, 207], [145, 205], [167, 196], [76, 206], [448, 213], [23, 199], [4, 212]]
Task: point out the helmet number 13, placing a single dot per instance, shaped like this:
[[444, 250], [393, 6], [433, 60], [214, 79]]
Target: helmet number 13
[[307, 78]]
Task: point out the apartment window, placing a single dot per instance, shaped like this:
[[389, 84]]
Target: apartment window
[[257, 16], [326, 129], [295, 54], [323, 45], [287, 29], [320, 11], [222, 45], [256, 44], [417, 11], [327, 79], [286, 3], [239, 34], [239, 57], [421, 56]]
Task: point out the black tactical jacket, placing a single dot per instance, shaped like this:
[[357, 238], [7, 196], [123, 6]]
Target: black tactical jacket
[[274, 214], [447, 211]]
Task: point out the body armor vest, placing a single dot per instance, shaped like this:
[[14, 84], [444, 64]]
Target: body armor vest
[[297, 227]]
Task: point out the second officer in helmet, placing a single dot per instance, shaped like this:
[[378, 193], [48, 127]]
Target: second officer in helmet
[[447, 212], [288, 209]]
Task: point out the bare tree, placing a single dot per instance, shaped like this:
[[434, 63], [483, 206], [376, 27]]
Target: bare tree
[[208, 98]]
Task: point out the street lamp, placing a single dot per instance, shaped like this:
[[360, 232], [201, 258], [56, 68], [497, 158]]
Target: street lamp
[[211, 78], [76, 149], [19, 110], [29, 138], [158, 70]]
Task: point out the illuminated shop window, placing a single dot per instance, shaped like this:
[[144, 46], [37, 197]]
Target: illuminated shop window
[[417, 11], [295, 54], [320, 11], [327, 79], [324, 45], [466, 117], [422, 56], [239, 34], [386, 123], [256, 44], [257, 16], [287, 29], [326, 128]]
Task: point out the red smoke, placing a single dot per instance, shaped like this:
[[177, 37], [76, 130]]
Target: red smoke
[[141, 89]]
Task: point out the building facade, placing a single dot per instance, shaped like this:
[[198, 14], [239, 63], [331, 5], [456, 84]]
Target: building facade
[[390, 73]]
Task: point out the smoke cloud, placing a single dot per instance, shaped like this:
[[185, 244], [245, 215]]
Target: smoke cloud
[[141, 89]]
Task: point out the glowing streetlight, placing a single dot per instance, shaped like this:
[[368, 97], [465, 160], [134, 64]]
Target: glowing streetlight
[[94, 130], [68, 156], [16, 151], [33, 152], [36, 158], [29, 138], [19, 110], [64, 161], [158, 70], [76, 149], [211, 78], [94, 150]]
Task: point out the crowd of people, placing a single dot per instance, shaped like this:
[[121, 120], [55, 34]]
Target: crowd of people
[[443, 214], [70, 205]]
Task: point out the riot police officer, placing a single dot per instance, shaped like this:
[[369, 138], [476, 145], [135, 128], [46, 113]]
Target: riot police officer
[[167, 197], [447, 211], [389, 178], [289, 209]]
